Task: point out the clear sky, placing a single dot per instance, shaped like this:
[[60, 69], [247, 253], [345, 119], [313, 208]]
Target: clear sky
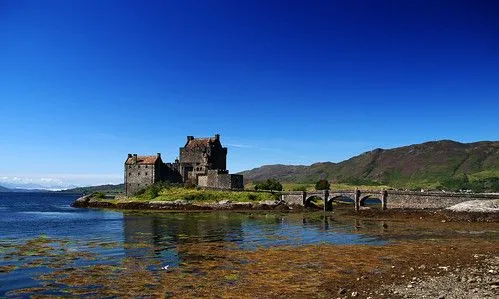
[[84, 83]]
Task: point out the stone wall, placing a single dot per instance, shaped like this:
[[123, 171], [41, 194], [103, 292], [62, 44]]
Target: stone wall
[[220, 180], [294, 198], [426, 200], [138, 177]]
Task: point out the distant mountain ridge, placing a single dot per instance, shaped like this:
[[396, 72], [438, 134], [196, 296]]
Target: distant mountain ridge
[[434, 164], [4, 189], [108, 188]]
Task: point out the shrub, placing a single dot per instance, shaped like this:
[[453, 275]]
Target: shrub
[[322, 185], [269, 184], [99, 195]]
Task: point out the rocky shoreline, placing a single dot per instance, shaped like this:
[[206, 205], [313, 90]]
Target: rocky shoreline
[[479, 281], [183, 205]]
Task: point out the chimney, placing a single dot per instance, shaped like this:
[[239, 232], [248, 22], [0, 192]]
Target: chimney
[[158, 155], [134, 158], [217, 136], [129, 155], [189, 138]]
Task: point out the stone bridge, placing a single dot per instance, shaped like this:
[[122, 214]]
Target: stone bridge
[[389, 199]]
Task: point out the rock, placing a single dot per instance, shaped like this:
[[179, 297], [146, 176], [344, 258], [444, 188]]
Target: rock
[[224, 202], [242, 204], [180, 202], [269, 202], [342, 291], [441, 297], [476, 206], [409, 286], [355, 294]]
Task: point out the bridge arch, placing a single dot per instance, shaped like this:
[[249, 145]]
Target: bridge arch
[[373, 199], [311, 198], [341, 198]]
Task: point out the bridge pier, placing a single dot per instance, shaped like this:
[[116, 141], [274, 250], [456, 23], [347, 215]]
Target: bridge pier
[[357, 199], [384, 197], [327, 206]]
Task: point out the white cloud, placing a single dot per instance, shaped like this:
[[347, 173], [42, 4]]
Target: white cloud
[[58, 181]]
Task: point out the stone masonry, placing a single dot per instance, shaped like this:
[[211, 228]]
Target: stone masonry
[[202, 162]]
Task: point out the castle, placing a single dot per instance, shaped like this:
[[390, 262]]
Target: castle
[[202, 162]]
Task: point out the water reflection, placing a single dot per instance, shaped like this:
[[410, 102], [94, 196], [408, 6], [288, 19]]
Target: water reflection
[[162, 234]]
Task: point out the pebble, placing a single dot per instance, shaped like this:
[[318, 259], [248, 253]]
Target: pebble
[[355, 294]]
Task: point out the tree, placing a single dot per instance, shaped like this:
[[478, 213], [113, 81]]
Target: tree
[[322, 185], [269, 184]]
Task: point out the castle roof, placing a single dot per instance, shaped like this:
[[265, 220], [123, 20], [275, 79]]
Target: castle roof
[[142, 160], [200, 142]]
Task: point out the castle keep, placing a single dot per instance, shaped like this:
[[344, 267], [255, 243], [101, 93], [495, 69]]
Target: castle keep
[[202, 162]]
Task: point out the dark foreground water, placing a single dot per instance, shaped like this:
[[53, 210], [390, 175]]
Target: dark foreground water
[[40, 233]]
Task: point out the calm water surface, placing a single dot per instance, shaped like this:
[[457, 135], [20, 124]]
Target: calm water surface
[[112, 235]]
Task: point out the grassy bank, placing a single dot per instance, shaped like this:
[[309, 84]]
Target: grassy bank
[[174, 193]]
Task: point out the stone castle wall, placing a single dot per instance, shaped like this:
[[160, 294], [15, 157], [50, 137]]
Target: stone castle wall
[[220, 180], [138, 177]]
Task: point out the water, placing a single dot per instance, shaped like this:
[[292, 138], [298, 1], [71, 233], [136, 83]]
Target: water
[[111, 236]]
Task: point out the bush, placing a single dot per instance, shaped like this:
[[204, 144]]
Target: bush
[[269, 184], [100, 195], [322, 185], [300, 188]]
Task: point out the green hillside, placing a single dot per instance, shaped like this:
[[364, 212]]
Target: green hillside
[[436, 165], [107, 189]]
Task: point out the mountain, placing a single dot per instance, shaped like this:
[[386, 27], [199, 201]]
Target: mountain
[[109, 189], [4, 189], [436, 164]]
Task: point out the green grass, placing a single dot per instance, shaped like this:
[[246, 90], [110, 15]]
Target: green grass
[[203, 195]]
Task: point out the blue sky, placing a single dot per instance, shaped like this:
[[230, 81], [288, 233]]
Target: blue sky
[[83, 83]]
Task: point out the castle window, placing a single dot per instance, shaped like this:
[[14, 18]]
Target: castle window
[[129, 174], [138, 173], [145, 174]]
